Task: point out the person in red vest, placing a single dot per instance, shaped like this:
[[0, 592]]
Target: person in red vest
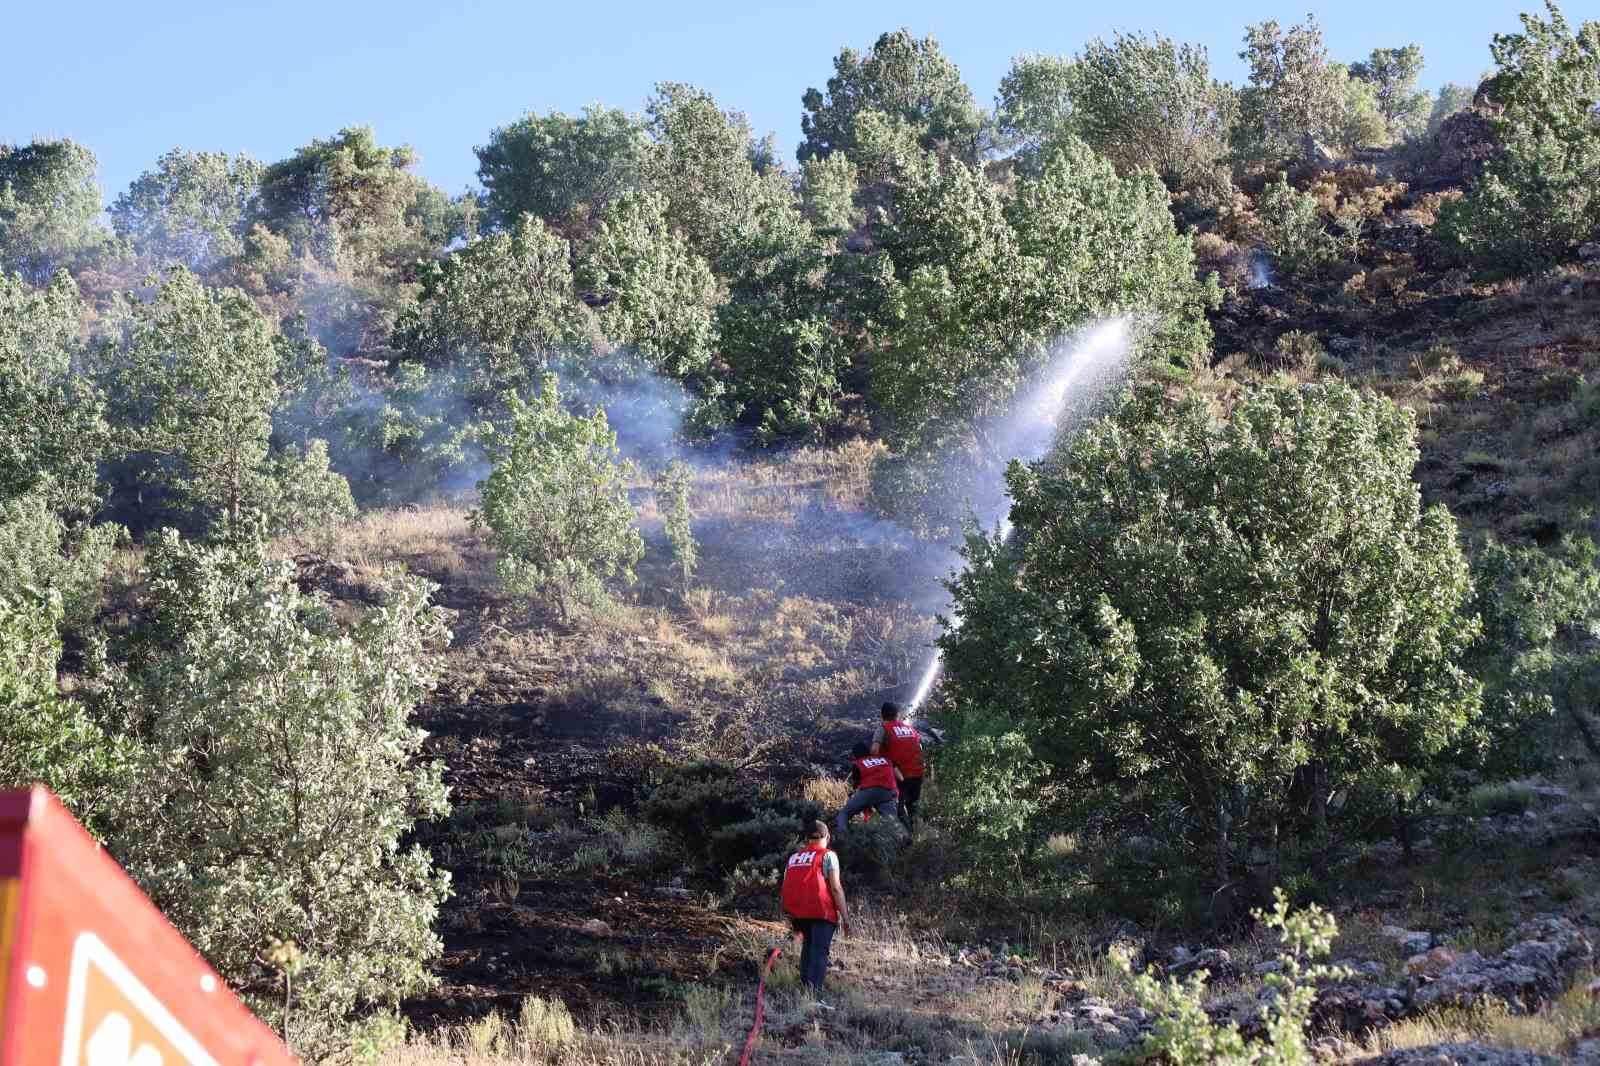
[[813, 898], [877, 786], [902, 743]]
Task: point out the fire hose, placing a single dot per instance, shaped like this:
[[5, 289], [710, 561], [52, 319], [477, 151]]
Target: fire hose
[[761, 1007]]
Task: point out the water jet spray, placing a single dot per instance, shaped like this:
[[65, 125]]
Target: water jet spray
[[1079, 375]]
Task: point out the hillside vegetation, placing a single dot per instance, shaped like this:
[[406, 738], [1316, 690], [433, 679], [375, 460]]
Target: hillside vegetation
[[449, 609]]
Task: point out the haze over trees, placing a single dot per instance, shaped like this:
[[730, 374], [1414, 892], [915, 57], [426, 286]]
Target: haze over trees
[[1228, 601]]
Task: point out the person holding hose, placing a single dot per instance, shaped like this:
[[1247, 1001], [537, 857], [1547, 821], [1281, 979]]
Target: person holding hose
[[902, 743], [813, 898], [877, 786]]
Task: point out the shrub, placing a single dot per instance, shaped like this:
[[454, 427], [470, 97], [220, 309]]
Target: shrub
[[1298, 351], [1508, 797], [766, 833], [1290, 228], [1185, 1035], [1226, 624], [555, 503], [1537, 199], [276, 779], [868, 850], [672, 496]]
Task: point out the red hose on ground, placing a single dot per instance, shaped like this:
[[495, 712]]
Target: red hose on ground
[[761, 1007]]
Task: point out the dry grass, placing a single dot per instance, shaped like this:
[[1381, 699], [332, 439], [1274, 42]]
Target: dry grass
[[1551, 1031]]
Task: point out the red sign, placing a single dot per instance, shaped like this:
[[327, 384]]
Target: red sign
[[91, 974]]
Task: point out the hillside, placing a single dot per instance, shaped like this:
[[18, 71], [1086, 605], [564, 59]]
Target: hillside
[[810, 615], [452, 609]]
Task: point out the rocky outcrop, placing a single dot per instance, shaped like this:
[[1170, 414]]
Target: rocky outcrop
[[1465, 143], [1539, 967]]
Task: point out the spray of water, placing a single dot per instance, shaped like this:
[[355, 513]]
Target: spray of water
[[1087, 365]]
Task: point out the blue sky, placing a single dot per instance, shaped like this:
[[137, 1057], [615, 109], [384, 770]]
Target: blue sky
[[131, 80]]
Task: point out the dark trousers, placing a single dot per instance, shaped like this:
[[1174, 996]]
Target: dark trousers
[[818, 938], [880, 799], [910, 796]]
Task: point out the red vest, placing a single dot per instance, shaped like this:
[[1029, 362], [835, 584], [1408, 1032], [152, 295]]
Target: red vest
[[805, 889], [904, 747], [876, 771]]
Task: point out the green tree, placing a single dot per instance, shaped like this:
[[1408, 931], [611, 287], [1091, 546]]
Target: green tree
[[561, 168], [983, 289], [278, 777], [1392, 72], [1139, 101], [51, 415], [351, 201], [656, 298], [1290, 227], [703, 164], [827, 190], [899, 76], [1541, 618], [1451, 99], [190, 210], [1296, 96], [672, 500], [193, 381], [501, 310], [195, 377], [345, 228], [555, 503], [1540, 196], [49, 208], [1212, 610], [44, 736], [784, 353]]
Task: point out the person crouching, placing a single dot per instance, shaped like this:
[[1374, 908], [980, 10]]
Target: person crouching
[[877, 787], [813, 898]]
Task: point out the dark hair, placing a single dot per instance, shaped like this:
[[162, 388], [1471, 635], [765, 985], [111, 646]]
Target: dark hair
[[817, 831], [891, 711], [861, 751]]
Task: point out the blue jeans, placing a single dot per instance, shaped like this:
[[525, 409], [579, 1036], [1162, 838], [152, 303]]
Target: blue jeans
[[862, 798], [818, 938]]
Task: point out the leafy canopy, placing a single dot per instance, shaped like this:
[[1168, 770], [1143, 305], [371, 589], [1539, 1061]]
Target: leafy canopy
[[555, 503], [49, 208], [899, 76], [1540, 196], [277, 777], [1204, 607], [190, 210], [563, 169]]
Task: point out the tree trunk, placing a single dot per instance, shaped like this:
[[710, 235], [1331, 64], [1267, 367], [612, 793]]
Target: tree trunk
[[1222, 842], [1587, 728]]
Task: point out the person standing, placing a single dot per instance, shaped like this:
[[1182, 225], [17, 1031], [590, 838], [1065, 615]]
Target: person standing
[[813, 898], [902, 743], [877, 787]]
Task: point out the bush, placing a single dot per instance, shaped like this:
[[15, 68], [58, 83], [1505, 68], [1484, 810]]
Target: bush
[[1540, 196], [1298, 351], [1290, 228], [1185, 1035], [555, 502], [719, 813], [276, 778], [1507, 797], [766, 833], [869, 850], [1226, 626]]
